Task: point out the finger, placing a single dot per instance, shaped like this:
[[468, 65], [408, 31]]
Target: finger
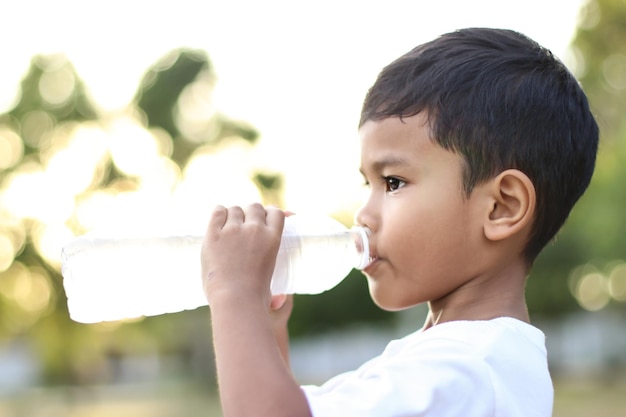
[[255, 213], [278, 301], [235, 214], [218, 217], [275, 217]]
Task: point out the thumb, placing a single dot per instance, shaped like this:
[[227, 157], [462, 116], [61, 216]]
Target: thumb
[[278, 301]]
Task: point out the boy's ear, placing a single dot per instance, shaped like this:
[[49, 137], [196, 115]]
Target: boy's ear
[[513, 202]]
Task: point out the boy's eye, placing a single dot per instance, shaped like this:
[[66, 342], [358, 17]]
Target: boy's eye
[[393, 183]]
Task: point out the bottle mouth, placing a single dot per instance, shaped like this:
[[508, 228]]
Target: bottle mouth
[[362, 245]]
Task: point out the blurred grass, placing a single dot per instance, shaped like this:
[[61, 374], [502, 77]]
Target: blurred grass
[[590, 397], [146, 400], [573, 398]]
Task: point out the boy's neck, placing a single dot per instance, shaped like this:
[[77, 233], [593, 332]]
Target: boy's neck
[[484, 298]]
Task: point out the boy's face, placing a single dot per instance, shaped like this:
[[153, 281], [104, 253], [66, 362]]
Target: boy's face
[[426, 234]]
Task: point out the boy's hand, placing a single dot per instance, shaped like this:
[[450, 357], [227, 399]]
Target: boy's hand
[[249, 326], [239, 251]]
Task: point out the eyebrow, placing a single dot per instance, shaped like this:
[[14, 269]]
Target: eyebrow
[[387, 161]]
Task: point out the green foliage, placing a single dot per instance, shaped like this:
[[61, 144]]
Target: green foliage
[[51, 94], [163, 83], [270, 186], [601, 45], [158, 97], [52, 85], [601, 42], [595, 233]]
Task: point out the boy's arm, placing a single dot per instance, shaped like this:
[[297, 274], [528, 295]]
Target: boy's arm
[[238, 257], [253, 377]]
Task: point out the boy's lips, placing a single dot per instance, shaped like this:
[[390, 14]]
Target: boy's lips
[[373, 259]]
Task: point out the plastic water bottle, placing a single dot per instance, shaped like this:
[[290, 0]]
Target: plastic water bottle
[[108, 279]]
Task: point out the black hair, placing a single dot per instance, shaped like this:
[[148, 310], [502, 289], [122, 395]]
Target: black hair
[[501, 101]]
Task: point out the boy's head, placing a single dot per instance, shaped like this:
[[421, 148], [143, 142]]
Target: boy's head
[[501, 101]]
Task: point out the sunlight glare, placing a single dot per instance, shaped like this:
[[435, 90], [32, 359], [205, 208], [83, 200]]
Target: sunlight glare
[[66, 167], [8, 279], [91, 207], [211, 178], [614, 71], [57, 86], [132, 147], [34, 294], [7, 252], [21, 189], [45, 194], [34, 126], [195, 108], [11, 148], [162, 175], [139, 212], [76, 165], [164, 141], [592, 292], [48, 240], [617, 282], [30, 290]]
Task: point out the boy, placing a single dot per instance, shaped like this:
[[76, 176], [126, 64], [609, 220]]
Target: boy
[[475, 147]]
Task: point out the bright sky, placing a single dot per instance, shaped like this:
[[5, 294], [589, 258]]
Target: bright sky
[[296, 70]]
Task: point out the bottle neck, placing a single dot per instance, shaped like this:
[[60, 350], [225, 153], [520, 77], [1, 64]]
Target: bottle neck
[[360, 235]]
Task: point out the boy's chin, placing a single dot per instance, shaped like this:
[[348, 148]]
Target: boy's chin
[[390, 302]]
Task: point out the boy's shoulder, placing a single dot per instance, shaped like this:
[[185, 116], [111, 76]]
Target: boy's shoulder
[[504, 353], [499, 337]]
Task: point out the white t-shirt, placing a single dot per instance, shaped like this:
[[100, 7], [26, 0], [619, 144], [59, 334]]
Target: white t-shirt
[[494, 368]]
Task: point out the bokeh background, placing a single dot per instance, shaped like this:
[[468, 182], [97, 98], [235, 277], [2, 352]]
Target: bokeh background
[[143, 114]]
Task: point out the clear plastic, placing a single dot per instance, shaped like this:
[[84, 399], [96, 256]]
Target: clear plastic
[[108, 279]]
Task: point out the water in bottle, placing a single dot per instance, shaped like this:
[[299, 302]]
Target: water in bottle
[[107, 279]]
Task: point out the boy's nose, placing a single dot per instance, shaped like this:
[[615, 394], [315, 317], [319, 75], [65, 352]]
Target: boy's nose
[[363, 216]]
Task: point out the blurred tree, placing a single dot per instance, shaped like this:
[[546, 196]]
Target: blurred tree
[[175, 95], [600, 50], [175, 98], [161, 97], [52, 96], [164, 82], [596, 230]]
